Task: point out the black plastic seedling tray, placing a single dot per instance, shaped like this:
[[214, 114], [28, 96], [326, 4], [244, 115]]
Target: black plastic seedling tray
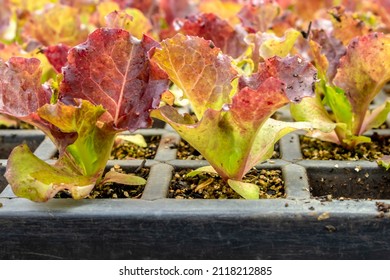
[[302, 225]]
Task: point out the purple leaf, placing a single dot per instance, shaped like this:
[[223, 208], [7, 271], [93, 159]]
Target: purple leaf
[[332, 48]]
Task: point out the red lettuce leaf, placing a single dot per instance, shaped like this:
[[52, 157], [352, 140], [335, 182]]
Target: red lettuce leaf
[[112, 69], [258, 17], [57, 55], [211, 27], [21, 92], [199, 69], [257, 100], [298, 76], [176, 9], [22, 95], [361, 74], [16, 50]]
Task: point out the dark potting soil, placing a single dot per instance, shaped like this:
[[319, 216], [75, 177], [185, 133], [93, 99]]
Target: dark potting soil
[[348, 183], [128, 150], [355, 182], [320, 150], [114, 190], [186, 152], [207, 186]]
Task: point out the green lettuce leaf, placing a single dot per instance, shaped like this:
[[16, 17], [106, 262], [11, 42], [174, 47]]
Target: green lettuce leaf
[[32, 178], [122, 178], [227, 10], [91, 149], [270, 45], [384, 161], [246, 190], [376, 117], [80, 164], [132, 20], [225, 137]]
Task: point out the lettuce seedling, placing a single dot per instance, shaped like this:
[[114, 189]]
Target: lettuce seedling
[[234, 131], [346, 89], [108, 87]]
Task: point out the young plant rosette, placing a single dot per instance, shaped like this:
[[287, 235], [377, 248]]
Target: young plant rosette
[[233, 129], [349, 82], [108, 86]]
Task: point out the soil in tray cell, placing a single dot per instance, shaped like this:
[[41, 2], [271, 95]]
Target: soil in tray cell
[[206, 186]]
